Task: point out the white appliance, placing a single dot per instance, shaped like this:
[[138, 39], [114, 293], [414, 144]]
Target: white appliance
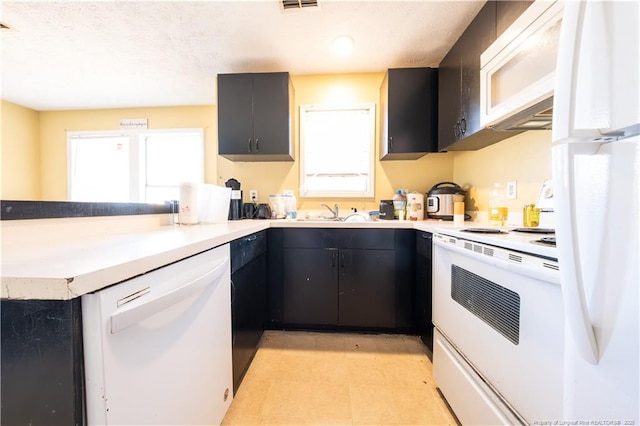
[[596, 178], [517, 72], [498, 342], [158, 347]]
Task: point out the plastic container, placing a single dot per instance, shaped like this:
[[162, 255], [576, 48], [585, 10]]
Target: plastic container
[[277, 204], [290, 205], [399, 205], [498, 211]]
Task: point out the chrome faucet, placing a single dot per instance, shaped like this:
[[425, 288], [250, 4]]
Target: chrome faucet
[[334, 211]]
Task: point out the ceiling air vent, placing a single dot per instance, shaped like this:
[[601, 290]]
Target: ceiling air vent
[[299, 4]]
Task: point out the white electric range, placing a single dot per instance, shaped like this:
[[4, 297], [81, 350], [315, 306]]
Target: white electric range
[[498, 314]]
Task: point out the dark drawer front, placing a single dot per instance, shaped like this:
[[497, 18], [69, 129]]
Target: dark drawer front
[[378, 239], [311, 238], [245, 249]]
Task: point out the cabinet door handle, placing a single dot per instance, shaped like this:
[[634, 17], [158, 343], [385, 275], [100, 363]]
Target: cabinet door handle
[[333, 259], [257, 145], [463, 125], [251, 238], [249, 145], [390, 143], [456, 130], [342, 260]]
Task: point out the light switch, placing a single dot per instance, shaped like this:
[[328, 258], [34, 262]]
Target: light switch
[[512, 190]]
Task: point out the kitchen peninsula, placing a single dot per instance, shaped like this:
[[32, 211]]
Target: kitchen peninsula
[[48, 264]]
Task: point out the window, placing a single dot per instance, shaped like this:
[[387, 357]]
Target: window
[[337, 151], [133, 166]]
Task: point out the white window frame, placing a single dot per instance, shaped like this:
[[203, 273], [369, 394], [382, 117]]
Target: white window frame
[[137, 156], [338, 193]]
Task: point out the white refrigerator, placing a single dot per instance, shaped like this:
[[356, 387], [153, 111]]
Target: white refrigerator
[[596, 177]]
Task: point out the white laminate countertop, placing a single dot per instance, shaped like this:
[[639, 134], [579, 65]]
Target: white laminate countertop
[[60, 259]]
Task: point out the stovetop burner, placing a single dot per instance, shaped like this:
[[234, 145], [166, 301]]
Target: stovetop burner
[[535, 230], [484, 231], [546, 241]]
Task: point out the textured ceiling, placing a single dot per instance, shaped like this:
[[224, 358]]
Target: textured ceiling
[[108, 54]]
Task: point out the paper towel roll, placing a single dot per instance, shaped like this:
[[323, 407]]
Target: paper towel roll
[[188, 214]]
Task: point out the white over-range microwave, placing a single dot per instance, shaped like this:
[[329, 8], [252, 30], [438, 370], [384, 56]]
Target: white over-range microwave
[[517, 72]]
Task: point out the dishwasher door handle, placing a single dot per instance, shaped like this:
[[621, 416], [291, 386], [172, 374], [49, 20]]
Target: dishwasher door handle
[[134, 314]]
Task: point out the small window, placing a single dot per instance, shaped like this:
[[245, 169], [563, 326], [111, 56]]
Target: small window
[[133, 166], [337, 151]]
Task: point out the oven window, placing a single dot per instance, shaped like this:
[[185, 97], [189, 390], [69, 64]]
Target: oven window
[[497, 306]]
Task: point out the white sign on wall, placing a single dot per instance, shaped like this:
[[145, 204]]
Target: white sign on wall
[[134, 123]]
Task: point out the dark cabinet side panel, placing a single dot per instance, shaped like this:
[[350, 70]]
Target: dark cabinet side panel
[[42, 363], [423, 299], [275, 279], [405, 279], [248, 313]]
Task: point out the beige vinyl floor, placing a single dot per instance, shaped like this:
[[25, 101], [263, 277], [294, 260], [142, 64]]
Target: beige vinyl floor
[[299, 378]]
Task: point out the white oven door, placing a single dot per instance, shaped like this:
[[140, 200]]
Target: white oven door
[[505, 322]]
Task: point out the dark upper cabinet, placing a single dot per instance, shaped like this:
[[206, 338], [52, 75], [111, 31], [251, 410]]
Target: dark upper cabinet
[[409, 100], [459, 80], [254, 117]]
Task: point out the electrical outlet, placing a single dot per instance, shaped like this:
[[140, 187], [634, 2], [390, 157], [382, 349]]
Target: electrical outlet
[[253, 195], [512, 190]]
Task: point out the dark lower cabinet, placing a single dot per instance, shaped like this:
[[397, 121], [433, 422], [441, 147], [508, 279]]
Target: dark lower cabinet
[[367, 288], [310, 286], [340, 278], [42, 363], [424, 325], [248, 300]]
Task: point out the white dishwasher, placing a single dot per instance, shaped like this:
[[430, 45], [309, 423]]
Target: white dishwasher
[[157, 347]]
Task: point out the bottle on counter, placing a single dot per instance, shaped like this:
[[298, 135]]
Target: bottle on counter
[[498, 210], [399, 205]]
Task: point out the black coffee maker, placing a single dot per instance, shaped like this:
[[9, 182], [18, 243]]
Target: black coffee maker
[[235, 205]]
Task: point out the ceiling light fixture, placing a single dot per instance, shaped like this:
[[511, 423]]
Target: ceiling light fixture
[[343, 45]]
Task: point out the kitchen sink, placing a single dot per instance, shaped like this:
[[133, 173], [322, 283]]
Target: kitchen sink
[[354, 217]]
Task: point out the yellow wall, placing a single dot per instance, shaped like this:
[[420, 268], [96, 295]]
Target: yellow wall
[[55, 124], [525, 158], [20, 153], [273, 178], [30, 171]]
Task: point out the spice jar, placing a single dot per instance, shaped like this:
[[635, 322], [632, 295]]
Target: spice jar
[[531, 216]]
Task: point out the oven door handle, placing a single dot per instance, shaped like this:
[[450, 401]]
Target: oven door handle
[[535, 273]]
